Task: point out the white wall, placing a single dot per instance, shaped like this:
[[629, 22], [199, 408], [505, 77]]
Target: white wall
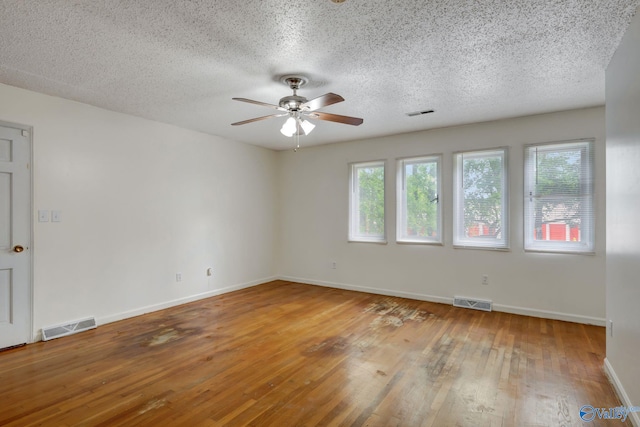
[[314, 210], [140, 201], [623, 215]]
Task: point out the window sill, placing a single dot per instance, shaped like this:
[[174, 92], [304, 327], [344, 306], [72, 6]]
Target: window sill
[[419, 242], [483, 248], [377, 242], [560, 252]]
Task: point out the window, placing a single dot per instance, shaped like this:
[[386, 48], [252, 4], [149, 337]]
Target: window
[[366, 202], [418, 200], [558, 191], [480, 199]]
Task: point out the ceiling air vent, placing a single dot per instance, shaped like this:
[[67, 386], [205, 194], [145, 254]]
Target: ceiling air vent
[[419, 113], [68, 328], [476, 304]]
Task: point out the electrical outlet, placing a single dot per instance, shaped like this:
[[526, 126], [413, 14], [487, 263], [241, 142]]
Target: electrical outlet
[[334, 265], [178, 277], [485, 279], [611, 328], [210, 271]]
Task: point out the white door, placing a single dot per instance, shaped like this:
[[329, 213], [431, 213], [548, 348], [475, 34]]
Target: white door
[[15, 236]]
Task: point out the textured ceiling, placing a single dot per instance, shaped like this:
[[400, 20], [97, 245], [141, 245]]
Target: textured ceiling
[[181, 62]]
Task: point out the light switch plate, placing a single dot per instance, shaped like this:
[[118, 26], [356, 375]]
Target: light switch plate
[[56, 216], [43, 216]]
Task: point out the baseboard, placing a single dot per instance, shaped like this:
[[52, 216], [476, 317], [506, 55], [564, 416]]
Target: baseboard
[[622, 394], [554, 315], [387, 292], [576, 318], [167, 304]]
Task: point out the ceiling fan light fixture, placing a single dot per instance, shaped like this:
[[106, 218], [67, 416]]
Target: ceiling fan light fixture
[[289, 127], [307, 126]]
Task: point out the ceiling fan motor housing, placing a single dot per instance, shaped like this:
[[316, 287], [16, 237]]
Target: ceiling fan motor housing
[[292, 102]]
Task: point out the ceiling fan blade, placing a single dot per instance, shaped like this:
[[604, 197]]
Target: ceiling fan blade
[[264, 104], [322, 101], [335, 118], [257, 119]]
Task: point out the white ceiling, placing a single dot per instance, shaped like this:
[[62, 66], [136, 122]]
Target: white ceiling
[[181, 62]]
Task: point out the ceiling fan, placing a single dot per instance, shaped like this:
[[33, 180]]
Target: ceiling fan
[[299, 109]]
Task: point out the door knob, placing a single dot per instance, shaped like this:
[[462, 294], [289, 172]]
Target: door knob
[[18, 248]]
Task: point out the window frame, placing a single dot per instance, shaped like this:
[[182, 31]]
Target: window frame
[[354, 217], [459, 238], [587, 182], [401, 200]]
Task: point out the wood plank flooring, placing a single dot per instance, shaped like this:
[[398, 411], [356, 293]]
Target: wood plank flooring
[[289, 354]]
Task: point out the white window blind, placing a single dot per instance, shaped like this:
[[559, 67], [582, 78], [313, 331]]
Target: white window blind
[[367, 202], [419, 212], [481, 199], [558, 205]]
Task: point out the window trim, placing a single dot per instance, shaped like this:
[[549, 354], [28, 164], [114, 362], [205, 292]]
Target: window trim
[[352, 236], [460, 242], [401, 162], [563, 247]]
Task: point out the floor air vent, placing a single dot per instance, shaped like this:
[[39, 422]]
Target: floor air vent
[[477, 304], [68, 329]]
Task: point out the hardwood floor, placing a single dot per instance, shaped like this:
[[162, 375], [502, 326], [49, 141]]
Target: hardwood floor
[[289, 354]]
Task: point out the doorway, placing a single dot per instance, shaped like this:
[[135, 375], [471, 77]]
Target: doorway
[[15, 235]]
